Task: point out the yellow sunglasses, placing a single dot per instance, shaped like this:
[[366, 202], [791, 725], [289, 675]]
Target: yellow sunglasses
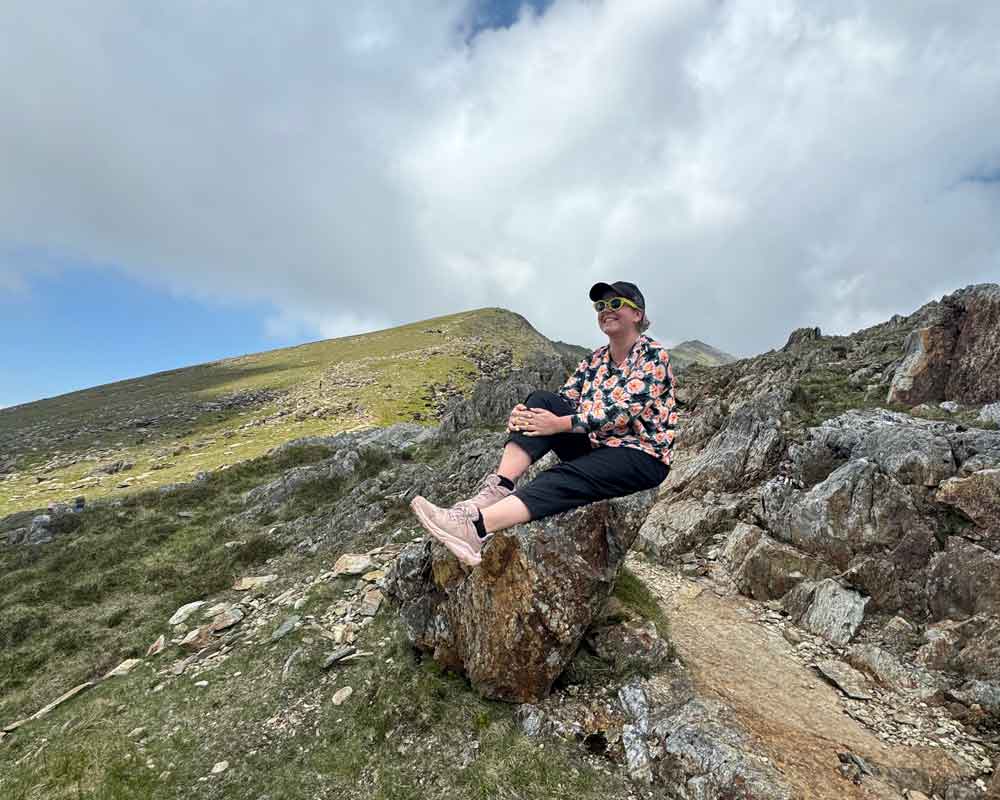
[[614, 304]]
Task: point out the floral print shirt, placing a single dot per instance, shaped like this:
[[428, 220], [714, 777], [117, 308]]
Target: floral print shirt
[[627, 405]]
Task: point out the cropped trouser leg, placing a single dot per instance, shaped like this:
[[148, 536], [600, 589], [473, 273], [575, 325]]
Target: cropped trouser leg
[[584, 474]]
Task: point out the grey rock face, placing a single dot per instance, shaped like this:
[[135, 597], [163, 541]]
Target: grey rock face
[[826, 609], [40, 531], [887, 669], [706, 755], [963, 580], [985, 694], [857, 509], [675, 526], [743, 452], [513, 623], [763, 568], [977, 496], [491, 400], [273, 493], [990, 413]]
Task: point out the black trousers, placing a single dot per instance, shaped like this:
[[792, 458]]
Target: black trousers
[[584, 473]]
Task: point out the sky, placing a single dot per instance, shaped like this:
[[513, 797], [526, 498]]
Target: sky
[[188, 181]]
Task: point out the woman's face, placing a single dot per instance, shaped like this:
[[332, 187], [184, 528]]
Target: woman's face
[[625, 319]]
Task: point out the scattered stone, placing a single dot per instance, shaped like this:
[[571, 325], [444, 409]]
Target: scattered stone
[[792, 635], [886, 668], [285, 628], [338, 654], [288, 663], [197, 639], [157, 647], [185, 611], [353, 564], [214, 611], [371, 602], [948, 405], [851, 682], [252, 583], [201, 684], [220, 767], [62, 699], [137, 733], [227, 619], [124, 668], [341, 695]]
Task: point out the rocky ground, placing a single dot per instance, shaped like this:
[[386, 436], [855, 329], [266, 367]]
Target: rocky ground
[[808, 609]]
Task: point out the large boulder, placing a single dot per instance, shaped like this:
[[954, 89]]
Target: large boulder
[[513, 623], [858, 508], [977, 497], [743, 452], [827, 609], [677, 525], [963, 580], [956, 355], [923, 374], [765, 569]]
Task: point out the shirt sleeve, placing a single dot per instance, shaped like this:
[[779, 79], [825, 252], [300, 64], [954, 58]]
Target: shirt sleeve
[[570, 391]]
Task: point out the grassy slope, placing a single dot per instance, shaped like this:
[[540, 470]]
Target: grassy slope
[[376, 378], [70, 612]]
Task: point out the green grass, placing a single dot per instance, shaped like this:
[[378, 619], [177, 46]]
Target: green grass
[[104, 591], [371, 379], [409, 730]]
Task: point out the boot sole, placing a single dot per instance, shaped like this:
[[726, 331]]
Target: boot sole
[[458, 547]]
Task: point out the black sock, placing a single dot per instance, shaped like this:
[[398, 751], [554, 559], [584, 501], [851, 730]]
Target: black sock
[[480, 526], [507, 483]]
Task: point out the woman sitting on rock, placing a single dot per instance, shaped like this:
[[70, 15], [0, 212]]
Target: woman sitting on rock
[[612, 425]]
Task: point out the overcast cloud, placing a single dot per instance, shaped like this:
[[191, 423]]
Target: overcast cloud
[[754, 166]]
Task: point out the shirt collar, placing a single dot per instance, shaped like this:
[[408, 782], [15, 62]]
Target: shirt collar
[[632, 354]]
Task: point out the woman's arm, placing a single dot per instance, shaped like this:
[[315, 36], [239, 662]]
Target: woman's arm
[[571, 390]]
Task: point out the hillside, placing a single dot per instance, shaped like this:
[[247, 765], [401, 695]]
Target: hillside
[[123, 437], [808, 610], [694, 351]]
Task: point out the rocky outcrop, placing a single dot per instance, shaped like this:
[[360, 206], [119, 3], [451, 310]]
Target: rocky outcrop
[[977, 497], [964, 580], [765, 569], [513, 623], [677, 525], [827, 609], [955, 357], [493, 397], [744, 451]]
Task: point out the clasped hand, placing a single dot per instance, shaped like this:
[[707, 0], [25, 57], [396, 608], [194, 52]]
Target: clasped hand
[[534, 421]]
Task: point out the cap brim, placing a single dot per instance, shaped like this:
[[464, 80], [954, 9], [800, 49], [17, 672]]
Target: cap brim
[[600, 288]]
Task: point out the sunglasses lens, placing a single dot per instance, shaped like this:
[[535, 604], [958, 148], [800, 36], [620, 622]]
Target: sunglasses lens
[[616, 303], [599, 306]]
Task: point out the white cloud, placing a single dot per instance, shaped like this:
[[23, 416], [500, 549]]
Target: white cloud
[[752, 166]]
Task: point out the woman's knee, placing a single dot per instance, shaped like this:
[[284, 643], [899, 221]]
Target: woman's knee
[[540, 398]]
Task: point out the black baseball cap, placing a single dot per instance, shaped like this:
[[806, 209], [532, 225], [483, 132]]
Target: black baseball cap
[[623, 288]]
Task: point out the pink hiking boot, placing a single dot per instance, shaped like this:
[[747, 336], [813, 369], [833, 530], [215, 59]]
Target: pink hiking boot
[[490, 492], [454, 527]]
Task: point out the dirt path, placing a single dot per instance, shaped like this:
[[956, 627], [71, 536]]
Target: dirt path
[[796, 717]]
